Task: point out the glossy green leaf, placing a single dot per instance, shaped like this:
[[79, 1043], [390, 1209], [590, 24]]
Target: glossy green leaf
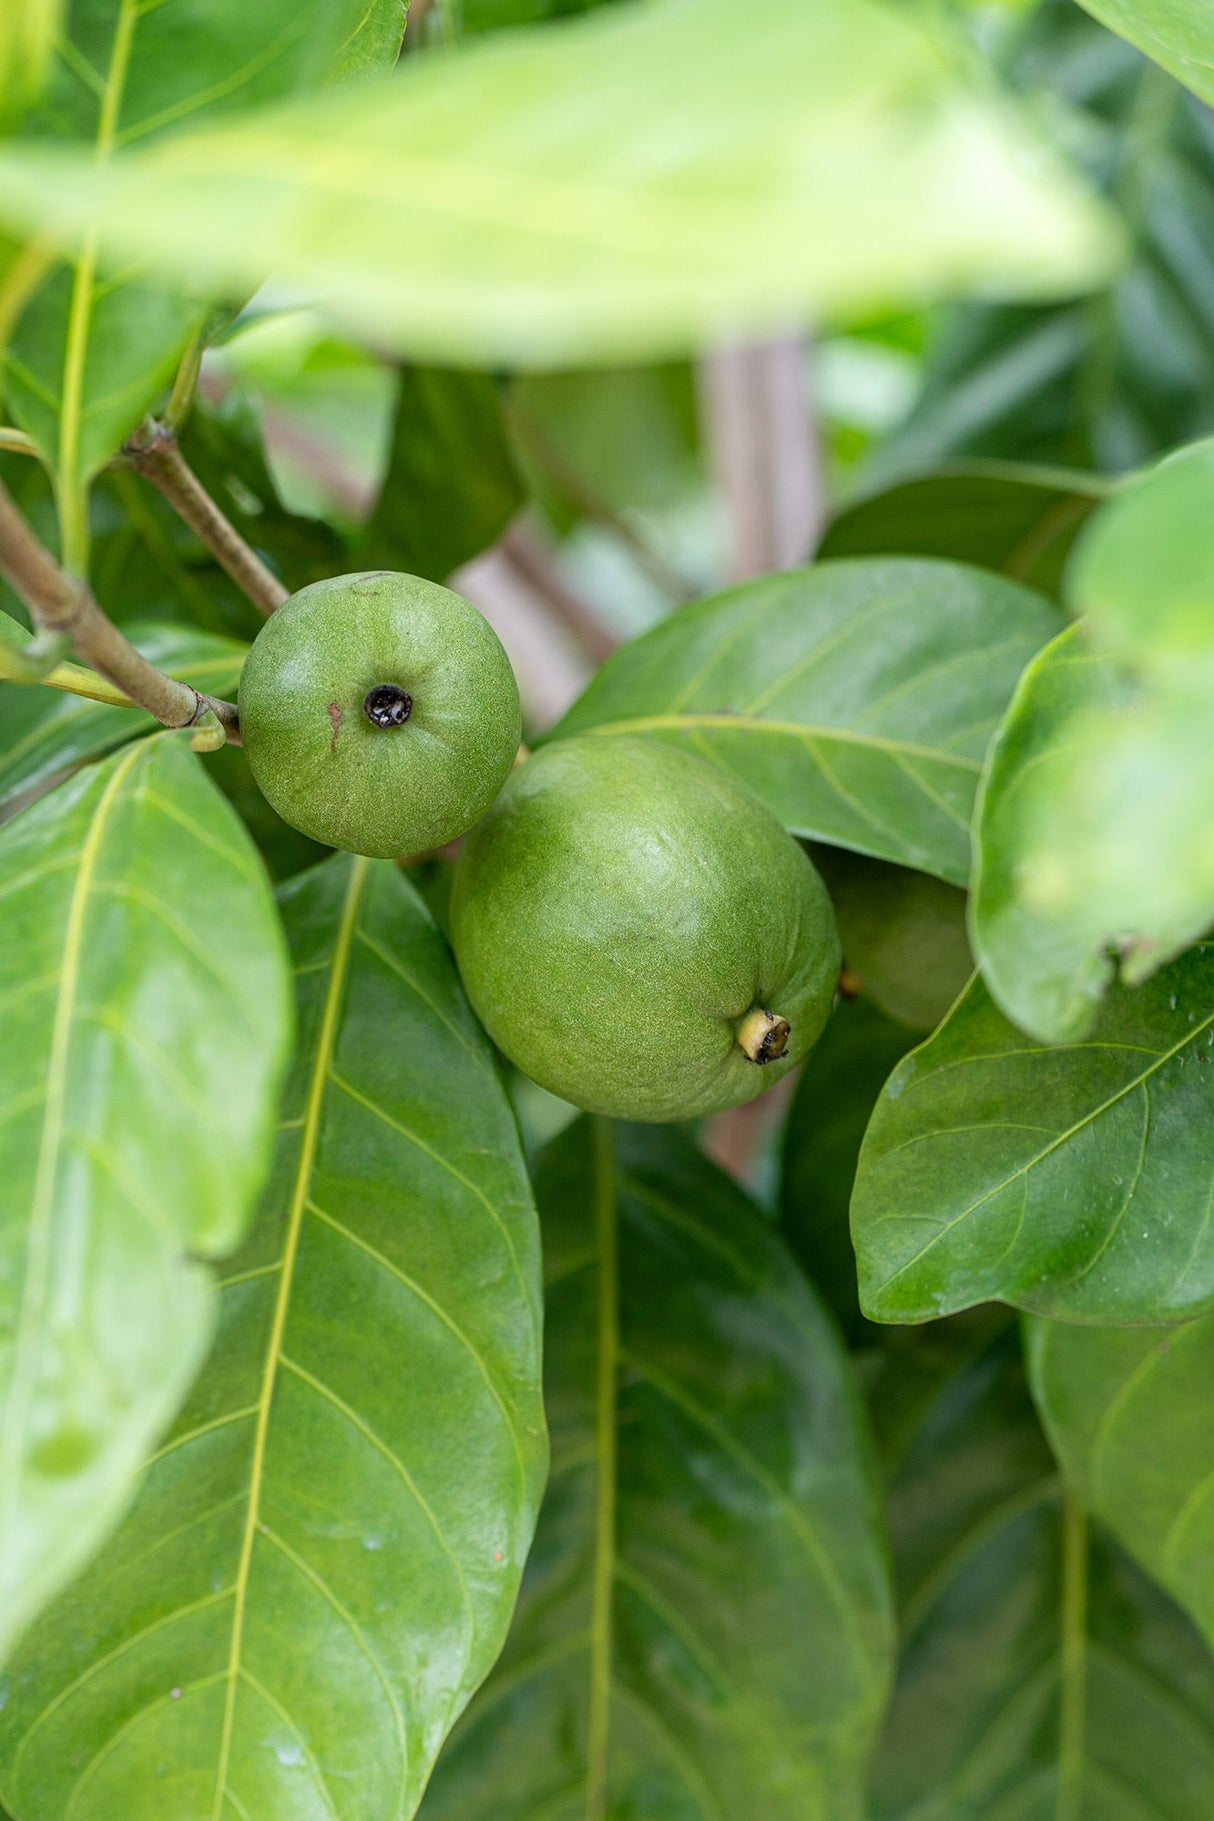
[[1143, 573], [903, 935], [451, 486], [702, 1630], [1179, 34], [838, 1088], [44, 732], [1042, 1677], [1074, 1181], [498, 206], [323, 1556], [856, 698], [1130, 1414], [144, 990], [1019, 521], [90, 354]]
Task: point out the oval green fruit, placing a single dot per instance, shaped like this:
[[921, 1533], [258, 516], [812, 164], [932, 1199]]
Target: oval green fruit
[[379, 713], [638, 934]]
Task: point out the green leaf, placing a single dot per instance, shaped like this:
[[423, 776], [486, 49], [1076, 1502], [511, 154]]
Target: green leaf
[[839, 1086], [144, 988], [451, 486], [373, 45], [903, 935], [553, 196], [1093, 849], [90, 355], [1042, 1677], [1072, 1181], [703, 1628], [28, 29], [856, 698], [1019, 521], [1178, 34], [322, 1559], [44, 733], [1143, 573], [1130, 1415]]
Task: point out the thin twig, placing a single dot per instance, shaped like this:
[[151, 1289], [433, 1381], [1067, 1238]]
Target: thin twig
[[58, 604], [154, 452]]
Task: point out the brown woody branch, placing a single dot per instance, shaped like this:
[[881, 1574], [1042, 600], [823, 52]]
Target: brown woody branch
[[154, 452], [59, 604]]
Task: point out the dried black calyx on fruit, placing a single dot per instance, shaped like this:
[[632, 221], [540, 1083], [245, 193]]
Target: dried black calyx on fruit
[[387, 705]]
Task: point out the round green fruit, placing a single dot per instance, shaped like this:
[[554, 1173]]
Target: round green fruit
[[638, 934], [379, 713]]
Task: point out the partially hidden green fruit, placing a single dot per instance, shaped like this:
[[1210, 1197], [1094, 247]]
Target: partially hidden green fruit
[[379, 713], [638, 934]]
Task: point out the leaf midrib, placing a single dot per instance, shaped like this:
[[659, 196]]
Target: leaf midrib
[[317, 1085]]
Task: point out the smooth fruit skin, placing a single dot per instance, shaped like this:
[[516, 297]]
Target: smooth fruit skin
[[617, 915], [327, 768]]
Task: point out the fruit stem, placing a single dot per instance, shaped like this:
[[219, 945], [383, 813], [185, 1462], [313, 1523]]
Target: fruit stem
[[762, 1036]]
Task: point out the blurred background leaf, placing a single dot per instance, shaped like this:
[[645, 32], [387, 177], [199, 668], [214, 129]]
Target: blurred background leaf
[[832, 159], [1111, 381]]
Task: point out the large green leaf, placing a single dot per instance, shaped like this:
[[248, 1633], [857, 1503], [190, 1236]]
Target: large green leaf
[[1091, 848], [1042, 1677], [144, 991], [1020, 521], [451, 486], [44, 732], [1114, 382], [554, 195], [90, 354], [323, 1556], [856, 698], [1179, 34], [1130, 1413], [703, 1626], [839, 1086], [1072, 1181]]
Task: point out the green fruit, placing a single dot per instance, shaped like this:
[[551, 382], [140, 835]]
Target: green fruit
[[379, 713], [638, 934]]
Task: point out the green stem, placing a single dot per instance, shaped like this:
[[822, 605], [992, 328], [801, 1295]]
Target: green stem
[[1073, 1693], [154, 452], [603, 1573]]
